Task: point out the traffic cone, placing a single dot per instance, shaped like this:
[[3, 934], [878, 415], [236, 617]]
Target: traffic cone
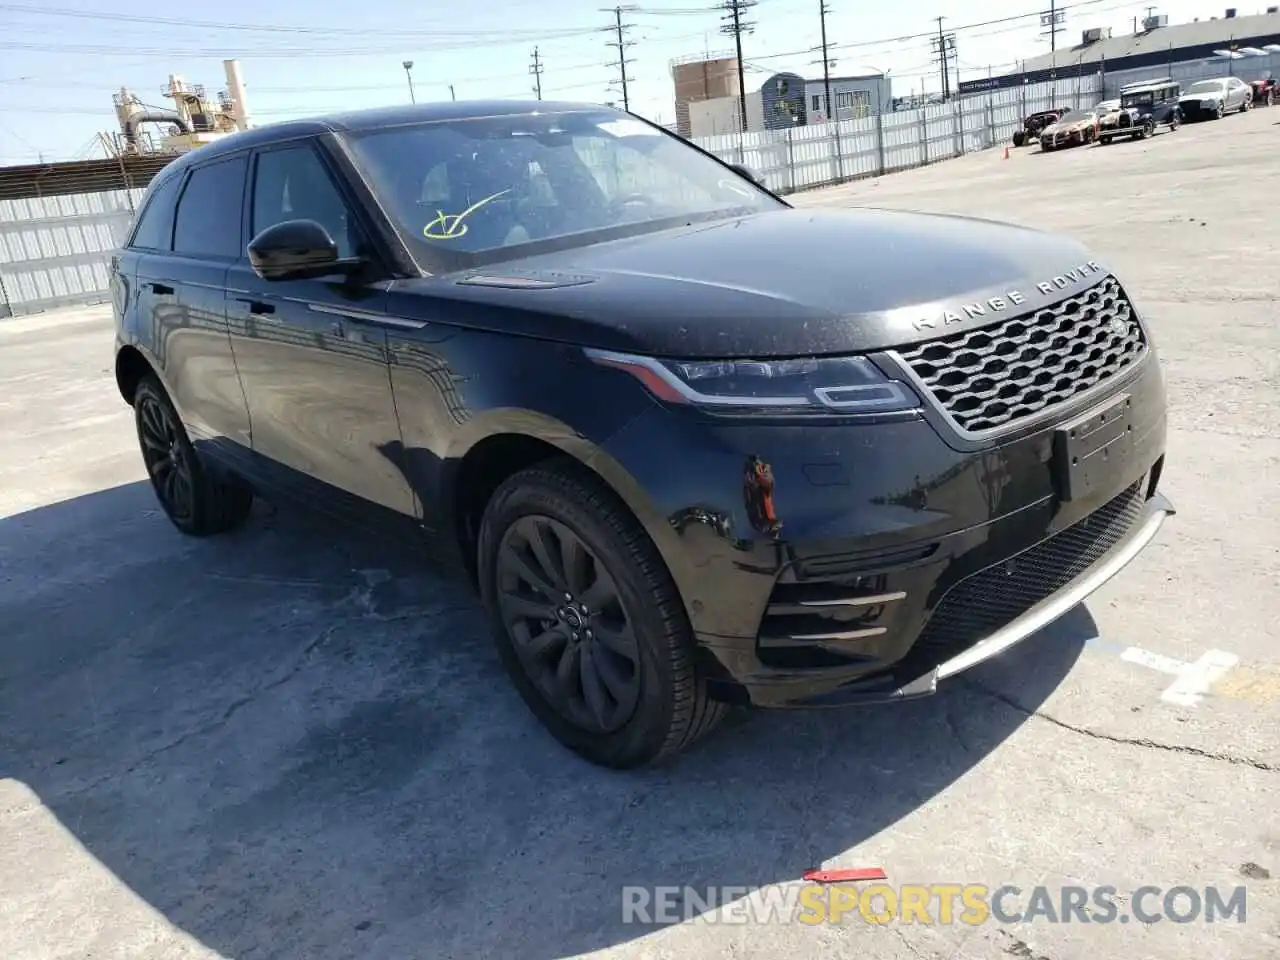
[[1006, 153]]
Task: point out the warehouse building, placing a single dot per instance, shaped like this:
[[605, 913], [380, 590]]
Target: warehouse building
[[787, 100], [1246, 47]]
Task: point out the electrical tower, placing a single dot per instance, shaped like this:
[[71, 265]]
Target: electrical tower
[[535, 69], [1052, 21], [944, 45], [620, 45], [735, 25]]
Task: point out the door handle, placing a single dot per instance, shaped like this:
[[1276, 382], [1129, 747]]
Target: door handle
[[163, 289], [257, 306]]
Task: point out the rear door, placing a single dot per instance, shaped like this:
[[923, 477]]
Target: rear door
[[188, 286]]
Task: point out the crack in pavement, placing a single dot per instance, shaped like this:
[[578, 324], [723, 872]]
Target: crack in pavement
[[1127, 741]]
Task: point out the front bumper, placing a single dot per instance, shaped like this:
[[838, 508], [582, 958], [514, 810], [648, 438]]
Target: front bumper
[[885, 557]]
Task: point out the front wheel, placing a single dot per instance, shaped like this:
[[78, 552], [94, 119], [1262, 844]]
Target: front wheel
[[1219, 112], [1174, 122], [198, 503], [588, 622]]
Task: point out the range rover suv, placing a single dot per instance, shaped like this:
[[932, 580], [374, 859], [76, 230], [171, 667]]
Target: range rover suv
[[693, 447]]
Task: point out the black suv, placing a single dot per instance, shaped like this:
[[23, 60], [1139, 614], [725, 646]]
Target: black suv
[[694, 447]]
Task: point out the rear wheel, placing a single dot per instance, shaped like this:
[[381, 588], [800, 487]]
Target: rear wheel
[[198, 503], [1174, 122], [588, 621], [1148, 129]]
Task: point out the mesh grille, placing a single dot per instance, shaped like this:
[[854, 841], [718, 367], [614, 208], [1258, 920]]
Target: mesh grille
[[993, 377], [984, 602]]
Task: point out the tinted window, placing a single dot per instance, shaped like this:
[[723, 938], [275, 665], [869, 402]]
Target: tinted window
[[155, 227], [293, 184], [474, 190], [208, 219]]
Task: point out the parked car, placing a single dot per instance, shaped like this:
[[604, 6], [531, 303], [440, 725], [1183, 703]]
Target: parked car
[[1265, 92], [1032, 125], [1073, 128], [1214, 99], [1144, 108], [589, 359]]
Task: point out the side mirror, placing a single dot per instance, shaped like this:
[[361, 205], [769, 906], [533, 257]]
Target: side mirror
[[747, 172], [295, 250]]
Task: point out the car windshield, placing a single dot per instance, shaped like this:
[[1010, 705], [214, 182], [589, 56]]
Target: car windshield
[[1205, 86], [475, 191], [1137, 99], [1072, 116]]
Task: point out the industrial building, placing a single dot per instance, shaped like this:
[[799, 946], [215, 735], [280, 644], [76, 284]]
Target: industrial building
[[787, 100], [698, 80], [1247, 47]]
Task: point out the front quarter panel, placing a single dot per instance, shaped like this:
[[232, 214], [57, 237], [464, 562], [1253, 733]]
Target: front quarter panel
[[455, 388]]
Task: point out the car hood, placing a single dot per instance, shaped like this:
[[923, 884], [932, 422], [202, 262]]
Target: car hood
[[786, 283], [1067, 127], [1197, 97]]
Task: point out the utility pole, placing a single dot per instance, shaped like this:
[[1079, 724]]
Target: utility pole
[[945, 47], [535, 68], [452, 95], [1052, 20], [823, 10], [736, 25], [621, 44]]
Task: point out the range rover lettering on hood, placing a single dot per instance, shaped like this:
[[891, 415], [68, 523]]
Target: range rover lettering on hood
[[1002, 302]]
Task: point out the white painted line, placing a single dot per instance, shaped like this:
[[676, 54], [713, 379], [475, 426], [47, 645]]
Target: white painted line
[[1153, 661], [1195, 679]]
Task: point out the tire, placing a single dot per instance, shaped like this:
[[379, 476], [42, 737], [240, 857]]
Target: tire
[[1148, 129], [1219, 111], [666, 706], [1247, 105], [1105, 141], [1019, 138], [195, 501], [1174, 123]]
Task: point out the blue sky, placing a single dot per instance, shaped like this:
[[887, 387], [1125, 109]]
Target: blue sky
[[58, 71]]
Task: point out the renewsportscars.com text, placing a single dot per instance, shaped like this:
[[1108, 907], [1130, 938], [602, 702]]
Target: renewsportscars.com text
[[931, 904]]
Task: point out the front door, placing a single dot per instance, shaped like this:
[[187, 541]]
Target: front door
[[312, 354]]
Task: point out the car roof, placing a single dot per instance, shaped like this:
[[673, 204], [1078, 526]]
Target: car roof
[[1145, 87], [361, 120]]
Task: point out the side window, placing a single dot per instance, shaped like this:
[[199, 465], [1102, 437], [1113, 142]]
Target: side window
[[154, 230], [207, 223], [293, 184]]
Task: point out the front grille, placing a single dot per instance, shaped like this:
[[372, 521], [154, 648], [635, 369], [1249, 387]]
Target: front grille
[[993, 377], [986, 601]]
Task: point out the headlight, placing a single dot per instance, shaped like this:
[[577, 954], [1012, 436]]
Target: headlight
[[809, 385]]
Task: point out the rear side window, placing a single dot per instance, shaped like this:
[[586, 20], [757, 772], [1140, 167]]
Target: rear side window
[[155, 227], [207, 223]]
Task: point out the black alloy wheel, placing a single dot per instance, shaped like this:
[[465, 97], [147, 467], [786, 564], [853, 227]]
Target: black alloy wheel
[[198, 502], [1219, 111], [569, 624], [166, 459], [587, 619]]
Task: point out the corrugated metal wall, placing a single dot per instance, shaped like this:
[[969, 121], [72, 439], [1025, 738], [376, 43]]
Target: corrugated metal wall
[[54, 250]]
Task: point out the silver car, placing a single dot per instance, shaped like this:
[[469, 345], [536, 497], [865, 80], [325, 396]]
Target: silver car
[[1214, 99]]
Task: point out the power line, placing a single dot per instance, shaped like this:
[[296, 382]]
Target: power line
[[735, 25], [944, 45], [399, 31], [619, 29], [535, 68]]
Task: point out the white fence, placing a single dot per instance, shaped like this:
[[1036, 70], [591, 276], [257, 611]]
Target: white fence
[[811, 156]]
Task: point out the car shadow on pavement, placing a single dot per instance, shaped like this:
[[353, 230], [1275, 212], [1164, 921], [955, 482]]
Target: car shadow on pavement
[[295, 741]]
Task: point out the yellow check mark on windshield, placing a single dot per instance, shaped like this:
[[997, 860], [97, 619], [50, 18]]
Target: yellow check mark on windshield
[[450, 226]]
